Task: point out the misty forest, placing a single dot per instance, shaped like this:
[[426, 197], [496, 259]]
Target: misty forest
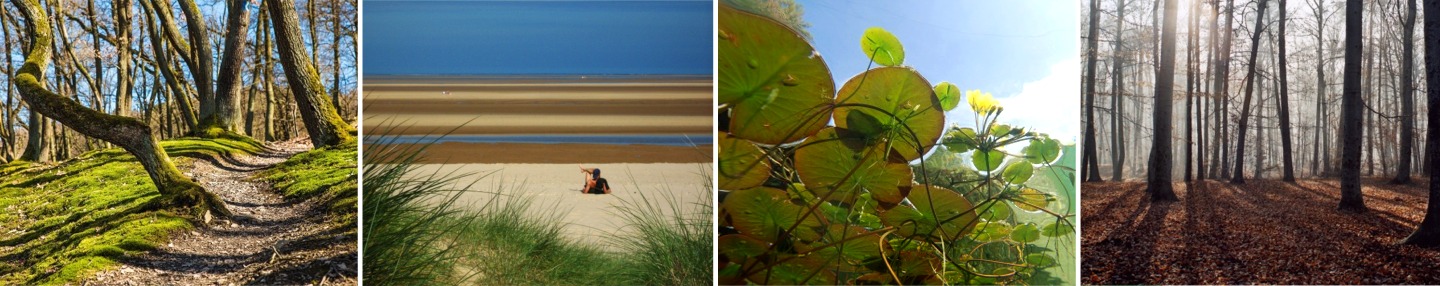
[[1260, 141], [178, 142]]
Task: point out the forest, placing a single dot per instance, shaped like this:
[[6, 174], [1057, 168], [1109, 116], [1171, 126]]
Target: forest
[[175, 142], [1264, 141]]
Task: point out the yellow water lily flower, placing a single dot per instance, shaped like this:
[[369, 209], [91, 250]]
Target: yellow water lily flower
[[982, 102]]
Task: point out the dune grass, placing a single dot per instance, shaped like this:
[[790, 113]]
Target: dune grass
[[61, 222], [415, 233]]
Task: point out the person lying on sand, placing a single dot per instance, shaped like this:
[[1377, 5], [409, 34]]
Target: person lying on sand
[[594, 184]]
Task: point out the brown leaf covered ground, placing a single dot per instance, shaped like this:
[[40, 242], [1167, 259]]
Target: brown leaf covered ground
[[1265, 231]]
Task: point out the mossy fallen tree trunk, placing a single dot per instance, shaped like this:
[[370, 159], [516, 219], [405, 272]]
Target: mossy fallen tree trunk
[[131, 134], [321, 121]]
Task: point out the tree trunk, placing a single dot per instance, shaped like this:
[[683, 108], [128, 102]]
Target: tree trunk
[[1190, 58], [1224, 92], [1320, 95], [1407, 97], [125, 82], [226, 105], [1239, 177], [1091, 166], [1428, 232], [1350, 109], [324, 125], [129, 133], [1284, 81], [1117, 91], [1159, 186]]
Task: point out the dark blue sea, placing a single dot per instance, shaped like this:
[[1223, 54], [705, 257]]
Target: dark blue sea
[[448, 38]]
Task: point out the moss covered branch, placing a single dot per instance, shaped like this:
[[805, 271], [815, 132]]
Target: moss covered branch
[[129, 133]]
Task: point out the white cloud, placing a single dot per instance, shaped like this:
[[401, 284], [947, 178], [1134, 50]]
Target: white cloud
[[1049, 105]]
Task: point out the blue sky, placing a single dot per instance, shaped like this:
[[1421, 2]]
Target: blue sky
[[1025, 52], [538, 37]]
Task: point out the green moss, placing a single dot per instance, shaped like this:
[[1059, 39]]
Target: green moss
[[73, 218], [327, 173]]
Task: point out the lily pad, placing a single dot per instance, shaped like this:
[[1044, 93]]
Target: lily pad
[[741, 247], [1056, 229], [1018, 172], [948, 94], [767, 214], [853, 244], [838, 165], [936, 212], [777, 85], [909, 101], [1032, 200], [1025, 233], [742, 164], [882, 46], [1042, 150], [987, 160]]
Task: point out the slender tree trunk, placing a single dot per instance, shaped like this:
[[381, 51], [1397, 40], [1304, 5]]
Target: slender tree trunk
[[1161, 160], [1239, 177], [226, 114], [1190, 58], [321, 121], [125, 82], [1117, 91], [129, 133], [1428, 232], [1091, 166], [1224, 111], [335, 55], [1351, 107], [1407, 97], [1284, 82], [1320, 94]]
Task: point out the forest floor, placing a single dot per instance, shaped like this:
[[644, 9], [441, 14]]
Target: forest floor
[[269, 239], [1265, 231]]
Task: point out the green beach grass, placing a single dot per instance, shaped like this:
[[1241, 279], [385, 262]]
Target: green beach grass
[[415, 233]]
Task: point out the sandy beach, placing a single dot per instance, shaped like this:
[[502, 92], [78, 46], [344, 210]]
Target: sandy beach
[[537, 106], [556, 188], [549, 172]]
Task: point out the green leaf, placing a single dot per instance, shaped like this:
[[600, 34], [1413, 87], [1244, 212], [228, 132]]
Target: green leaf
[[775, 82], [936, 212], [742, 164], [901, 100], [994, 210], [992, 231], [766, 214], [882, 46], [865, 124], [1056, 229], [1018, 172], [795, 271], [948, 94], [741, 247], [825, 163], [1042, 150], [1025, 233], [1030, 199], [959, 140], [987, 160], [1039, 260]]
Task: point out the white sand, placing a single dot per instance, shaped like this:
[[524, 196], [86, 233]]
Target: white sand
[[555, 188]]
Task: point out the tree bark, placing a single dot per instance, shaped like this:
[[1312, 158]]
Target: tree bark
[[1159, 185], [1239, 177], [1350, 109], [1284, 81], [1117, 91], [1091, 166], [1428, 232], [1190, 93], [321, 121], [226, 105], [129, 133], [1407, 97]]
